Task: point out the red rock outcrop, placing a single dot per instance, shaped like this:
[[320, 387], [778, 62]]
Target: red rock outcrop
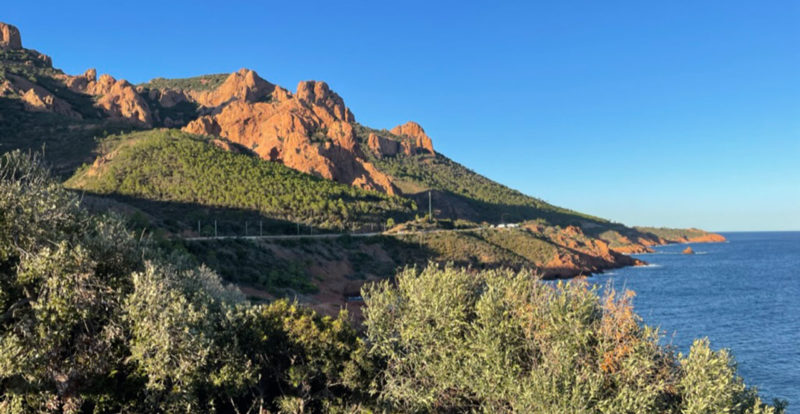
[[383, 147], [310, 131], [119, 99], [79, 83], [167, 98], [688, 250], [9, 37], [244, 85], [328, 105], [706, 238], [6, 88], [36, 98], [39, 99], [413, 130], [576, 253]]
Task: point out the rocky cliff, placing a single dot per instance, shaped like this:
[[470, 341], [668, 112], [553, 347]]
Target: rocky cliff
[[31, 78], [9, 37], [406, 139], [310, 130]]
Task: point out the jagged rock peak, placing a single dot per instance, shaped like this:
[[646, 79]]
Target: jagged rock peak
[[90, 75], [242, 85], [414, 130], [9, 37], [245, 84], [317, 93]]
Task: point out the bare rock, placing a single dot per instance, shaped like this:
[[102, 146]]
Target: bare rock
[[244, 85], [325, 103], [36, 98], [688, 250], [413, 130], [6, 88], [79, 83], [40, 99], [383, 147], [205, 125], [119, 99], [167, 98], [9, 37], [310, 131]]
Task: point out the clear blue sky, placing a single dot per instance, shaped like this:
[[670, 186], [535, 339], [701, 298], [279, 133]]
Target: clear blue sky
[[673, 113]]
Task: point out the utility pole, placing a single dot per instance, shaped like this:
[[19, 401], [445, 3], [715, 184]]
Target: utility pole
[[260, 228], [245, 229], [198, 226], [430, 207], [298, 228], [215, 228]]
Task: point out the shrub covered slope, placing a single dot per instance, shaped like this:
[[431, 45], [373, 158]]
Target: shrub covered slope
[[94, 319], [173, 166]]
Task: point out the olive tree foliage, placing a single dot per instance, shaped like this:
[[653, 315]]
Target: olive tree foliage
[[95, 319], [202, 348], [455, 340], [709, 384], [179, 341], [62, 276]]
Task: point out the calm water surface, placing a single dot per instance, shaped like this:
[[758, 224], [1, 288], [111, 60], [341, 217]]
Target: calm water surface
[[743, 295]]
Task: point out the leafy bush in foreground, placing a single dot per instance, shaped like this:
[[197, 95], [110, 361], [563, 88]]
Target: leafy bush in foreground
[[93, 319], [495, 341]]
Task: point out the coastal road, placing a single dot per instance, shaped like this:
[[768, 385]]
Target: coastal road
[[337, 235]]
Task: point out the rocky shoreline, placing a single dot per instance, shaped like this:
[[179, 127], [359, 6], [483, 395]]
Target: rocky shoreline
[[613, 253]]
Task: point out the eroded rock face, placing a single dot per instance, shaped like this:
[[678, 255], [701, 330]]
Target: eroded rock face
[[9, 37], [413, 130], [408, 139], [706, 238], [327, 104], [576, 253], [36, 98], [244, 85], [310, 131], [167, 98], [383, 147], [119, 99], [39, 99]]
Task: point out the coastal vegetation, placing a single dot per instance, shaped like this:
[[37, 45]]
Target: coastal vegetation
[[174, 166], [109, 303], [96, 318], [487, 200]]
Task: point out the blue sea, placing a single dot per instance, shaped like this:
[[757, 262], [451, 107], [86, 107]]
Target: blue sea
[[743, 295]]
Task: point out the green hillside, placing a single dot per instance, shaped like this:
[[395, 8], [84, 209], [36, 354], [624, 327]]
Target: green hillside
[[463, 193], [170, 166]]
